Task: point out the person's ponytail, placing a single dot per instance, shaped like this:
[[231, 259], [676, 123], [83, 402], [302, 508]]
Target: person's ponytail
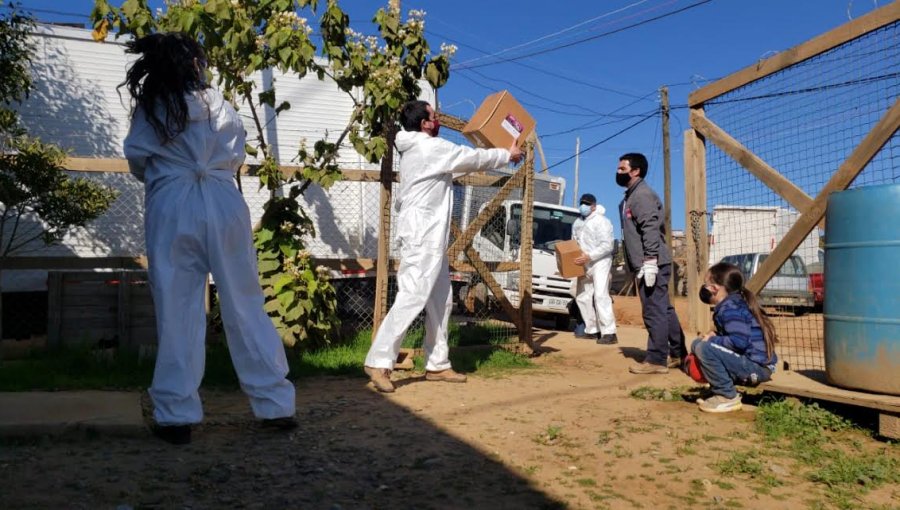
[[768, 329]]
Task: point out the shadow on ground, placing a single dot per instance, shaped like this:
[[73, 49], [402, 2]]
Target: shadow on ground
[[354, 449]]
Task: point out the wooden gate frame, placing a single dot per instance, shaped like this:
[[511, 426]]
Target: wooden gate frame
[[812, 211], [523, 178]]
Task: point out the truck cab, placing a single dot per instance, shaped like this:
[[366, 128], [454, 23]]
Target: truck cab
[[499, 241]]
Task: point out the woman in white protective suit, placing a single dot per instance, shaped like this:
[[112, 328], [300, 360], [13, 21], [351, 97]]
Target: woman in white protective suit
[[185, 144], [594, 234], [425, 199]]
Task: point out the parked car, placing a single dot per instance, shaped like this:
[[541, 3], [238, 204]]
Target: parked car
[[817, 283], [789, 290]]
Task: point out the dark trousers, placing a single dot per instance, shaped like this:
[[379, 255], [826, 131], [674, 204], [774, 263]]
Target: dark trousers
[[666, 336]]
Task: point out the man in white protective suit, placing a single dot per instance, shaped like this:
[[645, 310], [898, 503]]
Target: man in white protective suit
[[594, 234], [196, 223], [425, 200]]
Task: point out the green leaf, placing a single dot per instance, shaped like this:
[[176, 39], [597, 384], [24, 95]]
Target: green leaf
[[266, 266], [281, 281], [267, 98]]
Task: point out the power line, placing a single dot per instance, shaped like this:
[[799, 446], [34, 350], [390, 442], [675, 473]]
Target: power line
[[556, 75], [608, 138], [49, 11], [588, 39], [596, 123], [554, 34]]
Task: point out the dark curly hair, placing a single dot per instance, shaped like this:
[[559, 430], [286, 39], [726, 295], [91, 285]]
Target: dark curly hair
[[170, 65]]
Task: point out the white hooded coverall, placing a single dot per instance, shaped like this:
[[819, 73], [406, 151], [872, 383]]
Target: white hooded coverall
[[595, 238], [197, 222], [425, 198]]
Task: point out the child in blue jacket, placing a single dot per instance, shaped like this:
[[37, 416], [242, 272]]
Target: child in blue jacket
[[742, 349]]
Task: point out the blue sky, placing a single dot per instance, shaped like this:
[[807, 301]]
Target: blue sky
[[619, 72]]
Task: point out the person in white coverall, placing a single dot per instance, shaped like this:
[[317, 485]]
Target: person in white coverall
[[185, 144], [425, 200], [594, 234]]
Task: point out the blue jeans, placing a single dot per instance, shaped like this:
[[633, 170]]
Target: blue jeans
[[723, 368]]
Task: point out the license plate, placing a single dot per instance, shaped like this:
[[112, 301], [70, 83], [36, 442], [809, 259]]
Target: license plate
[[557, 302], [784, 300]]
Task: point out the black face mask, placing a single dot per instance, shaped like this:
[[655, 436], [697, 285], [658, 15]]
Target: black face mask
[[706, 295], [623, 179]]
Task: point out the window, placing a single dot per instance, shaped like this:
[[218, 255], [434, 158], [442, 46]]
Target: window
[[793, 266], [495, 229]]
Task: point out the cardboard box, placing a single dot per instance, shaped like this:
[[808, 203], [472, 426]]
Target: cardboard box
[[499, 120], [566, 253]]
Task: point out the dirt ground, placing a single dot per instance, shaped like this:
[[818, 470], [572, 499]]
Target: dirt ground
[[566, 434]]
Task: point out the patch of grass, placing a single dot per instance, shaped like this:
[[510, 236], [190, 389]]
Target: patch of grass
[[86, 368], [865, 471], [724, 485], [586, 482], [744, 462], [685, 449], [794, 420], [550, 437], [661, 394]]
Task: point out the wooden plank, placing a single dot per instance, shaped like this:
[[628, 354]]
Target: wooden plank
[[384, 235], [120, 165], [695, 225], [849, 169], [451, 122], [489, 209], [482, 180], [753, 163], [112, 165], [525, 253], [812, 384], [489, 280], [494, 267], [889, 425], [74, 263], [840, 35]]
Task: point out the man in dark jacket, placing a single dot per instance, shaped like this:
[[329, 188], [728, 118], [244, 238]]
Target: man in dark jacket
[[646, 254]]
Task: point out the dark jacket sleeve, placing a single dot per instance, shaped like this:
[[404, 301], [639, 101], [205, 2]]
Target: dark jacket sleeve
[[646, 216]]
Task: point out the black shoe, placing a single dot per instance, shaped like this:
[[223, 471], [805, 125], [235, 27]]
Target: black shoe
[[609, 339], [174, 434], [586, 336], [284, 423]]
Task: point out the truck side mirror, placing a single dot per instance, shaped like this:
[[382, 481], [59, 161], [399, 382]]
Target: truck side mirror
[[513, 230]]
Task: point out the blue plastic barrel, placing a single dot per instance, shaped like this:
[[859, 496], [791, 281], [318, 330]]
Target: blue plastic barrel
[[862, 289]]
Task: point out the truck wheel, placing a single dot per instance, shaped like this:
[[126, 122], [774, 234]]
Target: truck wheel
[[563, 322]]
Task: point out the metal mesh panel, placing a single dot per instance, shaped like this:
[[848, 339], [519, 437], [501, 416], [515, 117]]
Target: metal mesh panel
[[804, 121]]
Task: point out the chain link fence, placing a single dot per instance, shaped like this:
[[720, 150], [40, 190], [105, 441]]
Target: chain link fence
[[802, 121]]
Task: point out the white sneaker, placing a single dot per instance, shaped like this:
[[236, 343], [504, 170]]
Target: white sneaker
[[720, 404]]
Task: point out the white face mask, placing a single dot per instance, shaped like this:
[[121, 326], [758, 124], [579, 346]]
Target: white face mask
[[585, 210]]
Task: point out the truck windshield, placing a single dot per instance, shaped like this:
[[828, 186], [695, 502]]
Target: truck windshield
[[550, 225]]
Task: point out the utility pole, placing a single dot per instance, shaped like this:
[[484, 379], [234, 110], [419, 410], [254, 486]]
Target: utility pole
[[667, 171], [575, 190]]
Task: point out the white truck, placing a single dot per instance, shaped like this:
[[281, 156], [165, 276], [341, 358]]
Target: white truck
[[499, 241], [738, 229]]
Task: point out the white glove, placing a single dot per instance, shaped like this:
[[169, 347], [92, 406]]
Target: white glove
[[648, 272]]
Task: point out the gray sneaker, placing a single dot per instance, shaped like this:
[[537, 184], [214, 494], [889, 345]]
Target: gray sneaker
[[648, 368], [720, 404]]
